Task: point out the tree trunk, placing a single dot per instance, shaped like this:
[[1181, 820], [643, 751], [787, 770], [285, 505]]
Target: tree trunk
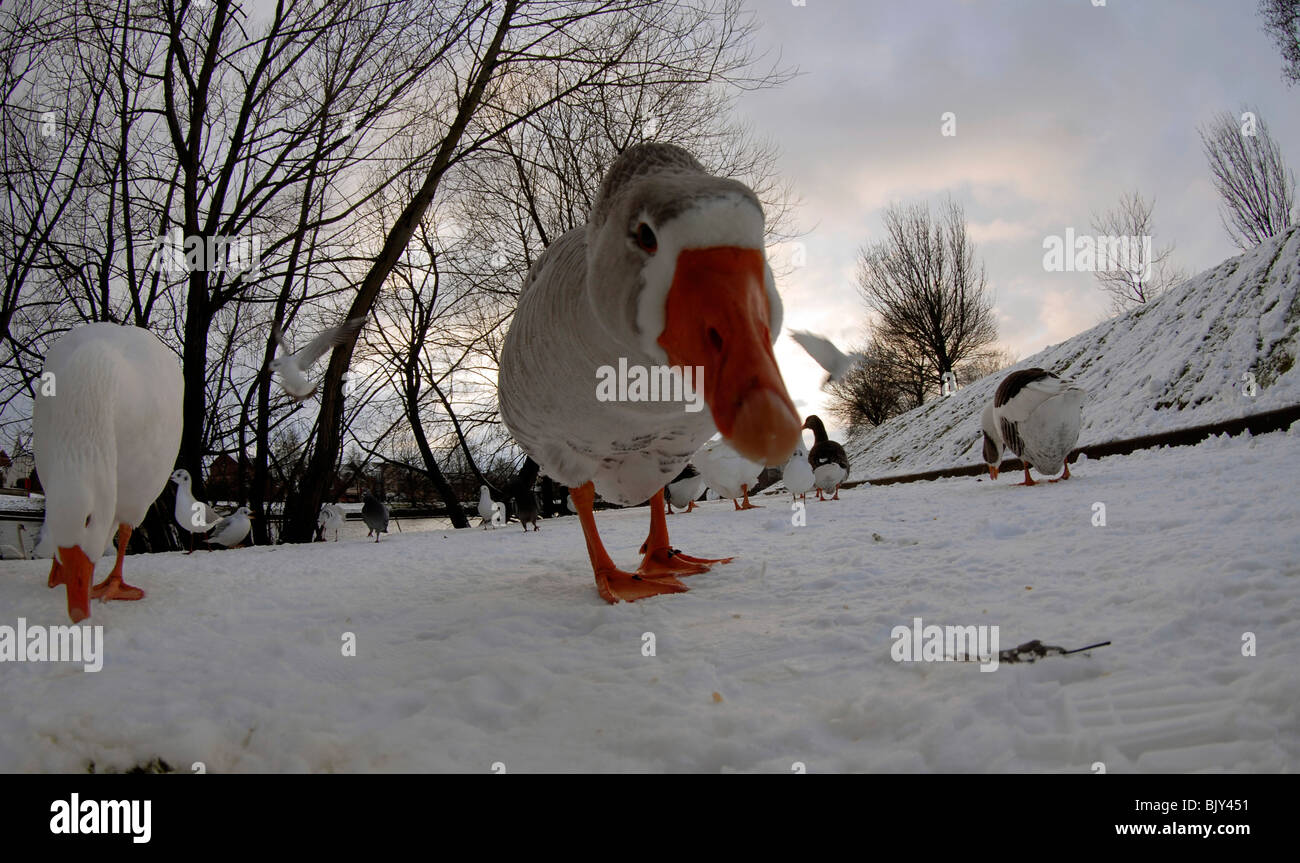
[[301, 509]]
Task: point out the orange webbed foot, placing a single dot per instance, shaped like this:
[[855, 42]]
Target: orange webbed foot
[[615, 585], [113, 588]]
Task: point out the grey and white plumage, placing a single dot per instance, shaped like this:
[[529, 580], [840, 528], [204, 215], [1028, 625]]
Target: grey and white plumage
[[592, 299], [1037, 415], [233, 529], [485, 507], [836, 363], [374, 512], [290, 368], [685, 488], [332, 518], [798, 472], [193, 515]]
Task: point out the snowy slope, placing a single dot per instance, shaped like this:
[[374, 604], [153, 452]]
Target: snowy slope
[[484, 646], [1174, 363]]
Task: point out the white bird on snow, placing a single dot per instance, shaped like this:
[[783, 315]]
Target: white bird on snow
[[683, 491], [836, 363], [106, 436], [233, 529], [798, 473], [669, 270], [485, 508], [194, 516], [1036, 414], [290, 368], [728, 472], [331, 518]]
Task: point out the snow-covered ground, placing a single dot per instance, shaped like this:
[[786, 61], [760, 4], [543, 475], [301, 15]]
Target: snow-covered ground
[[477, 646], [1176, 362]]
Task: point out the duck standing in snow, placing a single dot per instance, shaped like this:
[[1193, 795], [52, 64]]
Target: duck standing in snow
[[669, 271], [290, 368], [194, 516], [728, 472], [106, 435], [1036, 414], [374, 512], [830, 464], [526, 507], [683, 491], [331, 518], [798, 473], [231, 530]]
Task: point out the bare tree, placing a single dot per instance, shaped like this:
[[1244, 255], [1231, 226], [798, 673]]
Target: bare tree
[[870, 393], [1129, 268], [932, 305], [1257, 188], [1282, 22], [984, 363]]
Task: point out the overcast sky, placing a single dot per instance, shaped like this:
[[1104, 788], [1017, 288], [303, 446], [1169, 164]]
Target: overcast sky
[[1060, 108]]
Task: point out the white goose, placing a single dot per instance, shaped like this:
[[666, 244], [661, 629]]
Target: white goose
[[1036, 414], [669, 270], [798, 473], [107, 430], [728, 472], [194, 516]]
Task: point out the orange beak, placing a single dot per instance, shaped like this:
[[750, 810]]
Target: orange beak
[[717, 317], [74, 569]]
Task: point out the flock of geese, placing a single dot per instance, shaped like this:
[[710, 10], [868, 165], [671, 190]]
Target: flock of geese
[[669, 270]]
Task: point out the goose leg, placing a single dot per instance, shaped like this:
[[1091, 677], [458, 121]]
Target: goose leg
[[837, 492], [744, 489], [661, 558], [1028, 480], [113, 587], [614, 584]]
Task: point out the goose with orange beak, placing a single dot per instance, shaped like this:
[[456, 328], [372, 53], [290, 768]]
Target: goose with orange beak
[[107, 426], [668, 284]]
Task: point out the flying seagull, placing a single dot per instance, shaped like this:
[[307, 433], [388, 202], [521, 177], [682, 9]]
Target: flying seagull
[[836, 362], [291, 367]]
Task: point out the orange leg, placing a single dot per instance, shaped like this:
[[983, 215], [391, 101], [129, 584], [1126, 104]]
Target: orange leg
[[819, 493], [614, 584], [744, 489], [659, 554], [1028, 480], [660, 558], [113, 587], [691, 506], [837, 493]]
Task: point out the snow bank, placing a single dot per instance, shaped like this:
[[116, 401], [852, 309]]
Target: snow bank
[[1176, 362]]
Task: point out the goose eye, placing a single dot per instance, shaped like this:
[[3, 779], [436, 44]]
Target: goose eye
[[645, 238], [87, 521]]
